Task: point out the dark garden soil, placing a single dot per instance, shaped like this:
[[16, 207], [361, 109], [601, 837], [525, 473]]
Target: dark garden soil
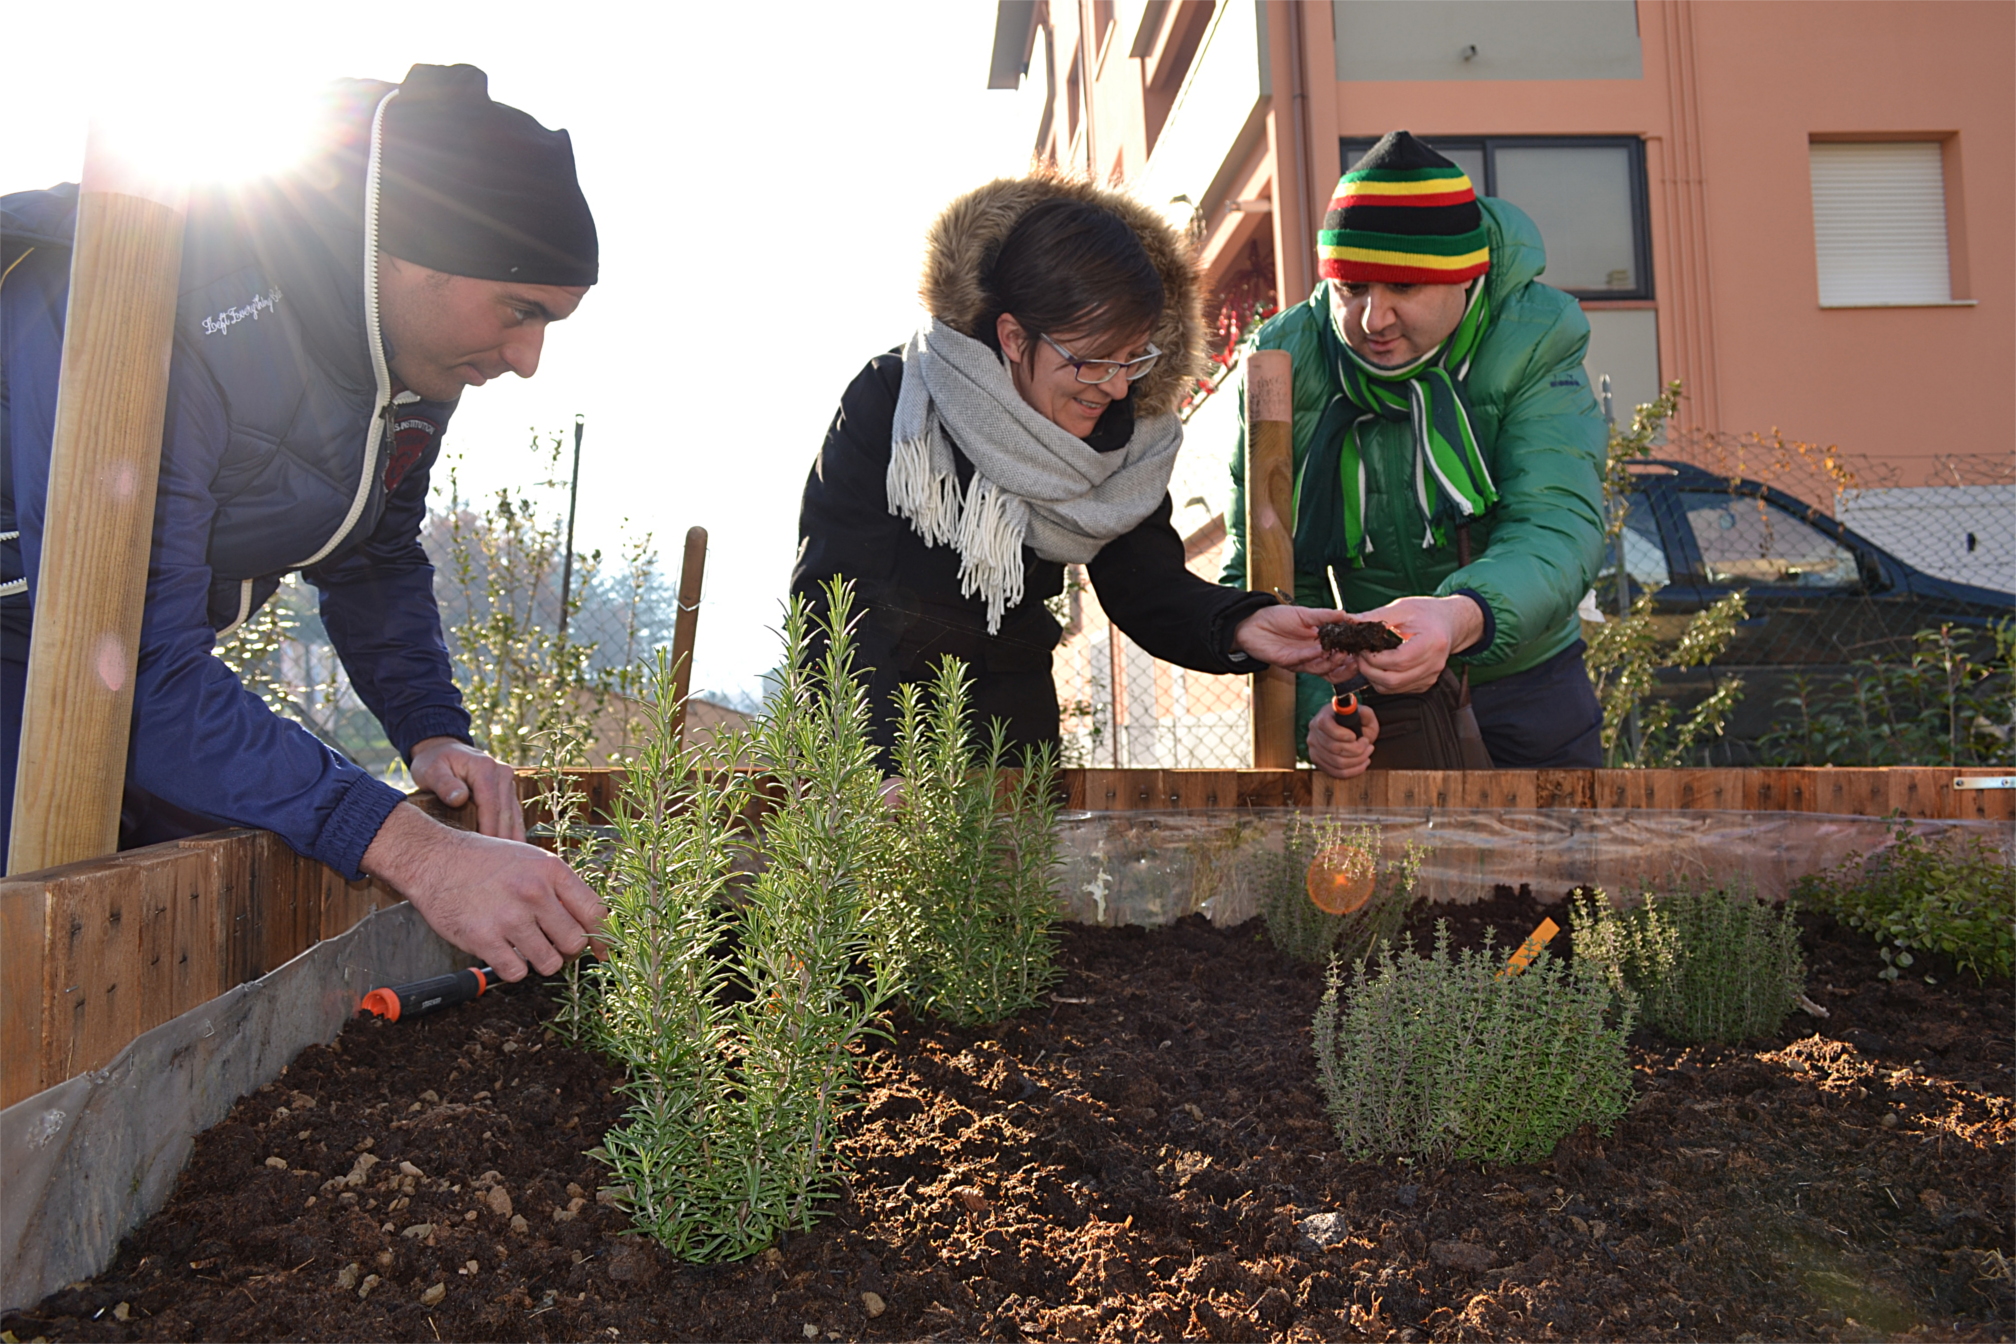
[[1138, 1160]]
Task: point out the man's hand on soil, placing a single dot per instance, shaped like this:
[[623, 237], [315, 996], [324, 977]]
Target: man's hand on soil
[[1434, 628], [1286, 637], [504, 901], [455, 772], [1336, 750]]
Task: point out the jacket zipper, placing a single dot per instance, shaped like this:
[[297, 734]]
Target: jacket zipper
[[381, 418]]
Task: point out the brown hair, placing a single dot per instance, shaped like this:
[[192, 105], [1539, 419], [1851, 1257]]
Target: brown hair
[[1069, 266]]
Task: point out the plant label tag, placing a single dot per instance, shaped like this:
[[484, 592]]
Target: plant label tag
[[1530, 949]]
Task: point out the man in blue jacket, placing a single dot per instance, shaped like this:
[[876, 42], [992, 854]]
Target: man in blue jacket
[[328, 321]]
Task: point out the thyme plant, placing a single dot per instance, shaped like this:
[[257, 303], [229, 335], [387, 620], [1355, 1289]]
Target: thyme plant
[[1446, 1056], [974, 858], [1297, 927], [1706, 964], [740, 1014]]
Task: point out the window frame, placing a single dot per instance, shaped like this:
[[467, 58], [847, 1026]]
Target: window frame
[[1349, 148]]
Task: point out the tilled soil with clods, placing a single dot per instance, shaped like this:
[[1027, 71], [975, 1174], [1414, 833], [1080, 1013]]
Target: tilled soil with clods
[[1147, 1157]]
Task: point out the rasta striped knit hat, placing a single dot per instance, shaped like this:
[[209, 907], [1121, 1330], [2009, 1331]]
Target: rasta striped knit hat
[[1403, 215]]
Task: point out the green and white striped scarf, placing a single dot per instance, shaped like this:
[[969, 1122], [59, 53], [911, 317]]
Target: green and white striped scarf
[[1451, 482]]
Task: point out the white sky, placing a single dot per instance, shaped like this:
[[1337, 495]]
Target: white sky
[[761, 177]]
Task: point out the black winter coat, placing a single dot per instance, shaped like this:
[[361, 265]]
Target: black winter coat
[[912, 613]]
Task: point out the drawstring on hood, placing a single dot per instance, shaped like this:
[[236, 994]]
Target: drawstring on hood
[[382, 401]]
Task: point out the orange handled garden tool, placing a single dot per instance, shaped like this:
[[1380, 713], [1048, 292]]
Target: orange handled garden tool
[[427, 996]]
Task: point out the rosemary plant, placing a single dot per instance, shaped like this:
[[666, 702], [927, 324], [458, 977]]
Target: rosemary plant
[[740, 1018], [974, 860], [1297, 927], [1705, 964], [1447, 1056]]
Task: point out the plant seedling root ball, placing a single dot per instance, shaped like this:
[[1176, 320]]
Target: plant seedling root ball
[[1349, 636]]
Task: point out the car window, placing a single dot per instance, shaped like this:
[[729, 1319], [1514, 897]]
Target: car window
[[1745, 540], [1644, 554]]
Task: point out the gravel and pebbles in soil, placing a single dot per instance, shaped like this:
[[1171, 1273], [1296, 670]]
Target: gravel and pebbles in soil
[[1146, 1157]]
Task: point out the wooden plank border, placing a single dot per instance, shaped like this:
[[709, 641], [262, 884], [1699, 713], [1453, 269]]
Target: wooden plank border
[[1914, 791], [99, 952]]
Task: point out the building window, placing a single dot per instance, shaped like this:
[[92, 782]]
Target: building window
[[1586, 194], [1879, 224]]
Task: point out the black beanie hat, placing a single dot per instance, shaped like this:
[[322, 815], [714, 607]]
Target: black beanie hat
[[472, 187]]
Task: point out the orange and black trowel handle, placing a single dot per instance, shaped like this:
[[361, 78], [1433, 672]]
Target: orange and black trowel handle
[[1344, 705], [428, 996]]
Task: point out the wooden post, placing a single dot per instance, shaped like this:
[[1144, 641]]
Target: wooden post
[[1270, 540], [99, 516], [686, 627]]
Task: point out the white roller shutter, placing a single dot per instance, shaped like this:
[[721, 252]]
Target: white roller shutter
[[1879, 224]]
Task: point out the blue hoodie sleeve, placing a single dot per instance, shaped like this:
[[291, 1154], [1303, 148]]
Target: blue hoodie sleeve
[[378, 607], [200, 739]]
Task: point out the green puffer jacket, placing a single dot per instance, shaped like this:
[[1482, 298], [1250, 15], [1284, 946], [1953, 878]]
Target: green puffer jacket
[[1535, 553]]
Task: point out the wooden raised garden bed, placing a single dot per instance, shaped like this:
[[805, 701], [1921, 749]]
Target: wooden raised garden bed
[[1143, 1158]]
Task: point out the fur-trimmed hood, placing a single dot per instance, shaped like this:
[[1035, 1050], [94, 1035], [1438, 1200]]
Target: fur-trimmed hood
[[964, 238]]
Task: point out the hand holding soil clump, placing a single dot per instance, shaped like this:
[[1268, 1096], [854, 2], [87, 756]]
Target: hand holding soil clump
[[1349, 636]]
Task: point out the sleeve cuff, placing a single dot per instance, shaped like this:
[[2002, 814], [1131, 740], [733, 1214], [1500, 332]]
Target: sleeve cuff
[[1237, 659], [354, 824], [439, 721], [1490, 635]]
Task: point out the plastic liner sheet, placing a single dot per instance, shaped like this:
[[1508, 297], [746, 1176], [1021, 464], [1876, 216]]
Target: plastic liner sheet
[[86, 1161], [1156, 867]]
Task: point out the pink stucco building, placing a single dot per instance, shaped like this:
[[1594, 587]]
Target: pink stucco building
[[1801, 208]]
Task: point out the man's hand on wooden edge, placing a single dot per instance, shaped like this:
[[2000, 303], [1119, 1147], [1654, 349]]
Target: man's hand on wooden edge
[[1336, 750], [1286, 637], [456, 772], [501, 900]]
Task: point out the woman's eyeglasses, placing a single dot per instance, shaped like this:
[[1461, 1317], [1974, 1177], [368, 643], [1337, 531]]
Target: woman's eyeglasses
[[1097, 371]]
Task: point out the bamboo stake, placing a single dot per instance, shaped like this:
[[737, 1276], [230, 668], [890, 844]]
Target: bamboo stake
[[684, 629], [99, 516], [1270, 544]]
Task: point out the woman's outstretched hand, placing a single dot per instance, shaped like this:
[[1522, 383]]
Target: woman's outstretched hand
[[1286, 637]]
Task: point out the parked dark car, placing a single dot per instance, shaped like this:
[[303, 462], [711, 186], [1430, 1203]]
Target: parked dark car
[[1820, 597]]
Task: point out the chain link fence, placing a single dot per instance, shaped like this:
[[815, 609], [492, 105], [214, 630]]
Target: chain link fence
[[1878, 597], [1877, 630], [1124, 708]]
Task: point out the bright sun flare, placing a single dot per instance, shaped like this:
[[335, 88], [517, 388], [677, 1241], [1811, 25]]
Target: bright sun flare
[[168, 136]]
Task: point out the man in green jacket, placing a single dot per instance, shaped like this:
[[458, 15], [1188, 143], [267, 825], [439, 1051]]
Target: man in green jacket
[[1439, 390]]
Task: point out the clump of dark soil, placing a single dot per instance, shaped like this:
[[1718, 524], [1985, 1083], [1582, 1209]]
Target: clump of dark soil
[[1349, 636], [1146, 1158]]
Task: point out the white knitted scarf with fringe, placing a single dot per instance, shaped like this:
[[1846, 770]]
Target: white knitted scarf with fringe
[[1034, 482]]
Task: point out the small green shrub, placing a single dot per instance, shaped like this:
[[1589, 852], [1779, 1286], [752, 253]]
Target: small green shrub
[[973, 860], [1955, 896], [739, 1016], [1949, 702], [1705, 964], [1442, 1056], [1296, 926]]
